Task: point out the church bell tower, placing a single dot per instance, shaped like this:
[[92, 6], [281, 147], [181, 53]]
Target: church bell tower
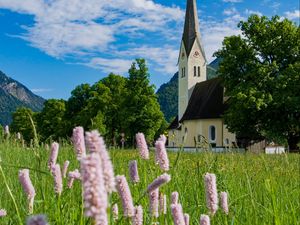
[[192, 60]]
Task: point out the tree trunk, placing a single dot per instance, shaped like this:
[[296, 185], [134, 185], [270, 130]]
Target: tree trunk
[[293, 141]]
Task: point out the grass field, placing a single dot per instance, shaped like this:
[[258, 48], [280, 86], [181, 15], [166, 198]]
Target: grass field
[[263, 189]]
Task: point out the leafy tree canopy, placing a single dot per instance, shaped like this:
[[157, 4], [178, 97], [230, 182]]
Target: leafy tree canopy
[[22, 118], [142, 109], [261, 74], [51, 122]]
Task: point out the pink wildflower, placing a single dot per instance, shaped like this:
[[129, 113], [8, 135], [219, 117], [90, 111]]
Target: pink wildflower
[[137, 219], [125, 194], [142, 145], [186, 219], [163, 204], [65, 169], [27, 187], [133, 171], [174, 197], [78, 142], [53, 155], [224, 202], [96, 144], [73, 175], [115, 211], [204, 220], [58, 185], [162, 156], [162, 138], [177, 214], [162, 179], [37, 220], [154, 202], [211, 192], [94, 193], [3, 212]]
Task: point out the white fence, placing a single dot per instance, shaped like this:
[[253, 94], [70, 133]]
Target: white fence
[[274, 150], [215, 150]]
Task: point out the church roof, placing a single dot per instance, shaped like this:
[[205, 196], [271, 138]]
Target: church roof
[[206, 101], [174, 124], [191, 27]]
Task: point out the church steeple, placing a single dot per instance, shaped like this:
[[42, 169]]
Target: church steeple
[[191, 27], [192, 60]]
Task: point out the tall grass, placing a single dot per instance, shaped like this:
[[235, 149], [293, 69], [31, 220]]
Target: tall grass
[[263, 189]]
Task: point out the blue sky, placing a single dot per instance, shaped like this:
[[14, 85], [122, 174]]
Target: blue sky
[[52, 46]]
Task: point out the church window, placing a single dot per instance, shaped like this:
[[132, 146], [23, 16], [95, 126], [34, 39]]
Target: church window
[[226, 141], [212, 133], [195, 71], [198, 71], [183, 72]]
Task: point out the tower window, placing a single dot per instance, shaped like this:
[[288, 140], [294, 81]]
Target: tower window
[[212, 133], [182, 72], [195, 71], [198, 71]]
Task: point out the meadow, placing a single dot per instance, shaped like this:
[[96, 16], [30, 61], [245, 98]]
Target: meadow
[[263, 189]]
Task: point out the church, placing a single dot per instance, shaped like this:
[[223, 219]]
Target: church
[[201, 102]]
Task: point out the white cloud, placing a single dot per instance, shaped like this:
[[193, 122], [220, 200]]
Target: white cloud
[[59, 40], [292, 15], [41, 90], [233, 1], [89, 32], [119, 66], [229, 12], [74, 27], [272, 4], [250, 12], [164, 57], [33, 7], [214, 32]]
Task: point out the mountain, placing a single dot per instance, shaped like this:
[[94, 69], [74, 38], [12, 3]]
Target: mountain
[[168, 92], [14, 95]]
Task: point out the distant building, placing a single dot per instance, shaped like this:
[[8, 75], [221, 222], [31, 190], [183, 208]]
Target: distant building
[[200, 101]]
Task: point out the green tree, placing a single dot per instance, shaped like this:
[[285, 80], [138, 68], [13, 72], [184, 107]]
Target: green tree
[[76, 103], [114, 119], [87, 107], [51, 122], [22, 122], [142, 109], [261, 74]]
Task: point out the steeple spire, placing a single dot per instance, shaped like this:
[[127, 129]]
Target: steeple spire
[[191, 27]]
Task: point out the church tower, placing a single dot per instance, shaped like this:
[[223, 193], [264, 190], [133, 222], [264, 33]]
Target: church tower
[[192, 60]]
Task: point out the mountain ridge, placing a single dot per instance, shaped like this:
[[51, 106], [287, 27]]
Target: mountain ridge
[[13, 95]]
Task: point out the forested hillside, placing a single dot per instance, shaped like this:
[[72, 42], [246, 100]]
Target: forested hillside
[[168, 92]]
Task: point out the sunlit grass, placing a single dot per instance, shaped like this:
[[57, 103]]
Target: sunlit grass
[[263, 189]]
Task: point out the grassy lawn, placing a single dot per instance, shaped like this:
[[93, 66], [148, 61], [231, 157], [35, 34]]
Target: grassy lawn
[[263, 189]]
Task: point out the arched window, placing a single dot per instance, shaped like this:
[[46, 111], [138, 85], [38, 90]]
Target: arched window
[[212, 133], [195, 71], [198, 71]]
